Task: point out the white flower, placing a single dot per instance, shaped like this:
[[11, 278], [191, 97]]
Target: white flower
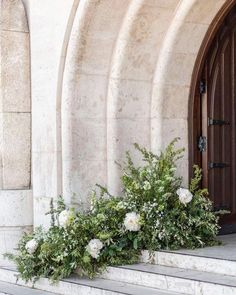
[[169, 178], [147, 185], [136, 185], [132, 221], [31, 246], [185, 196], [167, 195], [121, 205], [64, 218], [155, 161], [94, 248], [93, 203], [161, 189]]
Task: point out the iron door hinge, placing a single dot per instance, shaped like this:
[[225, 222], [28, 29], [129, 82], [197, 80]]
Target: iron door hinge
[[202, 87], [217, 122], [202, 143], [217, 165]]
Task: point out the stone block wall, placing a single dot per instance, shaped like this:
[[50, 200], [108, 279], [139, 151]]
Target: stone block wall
[[16, 206]]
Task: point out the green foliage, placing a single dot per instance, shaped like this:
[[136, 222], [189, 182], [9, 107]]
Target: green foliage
[[150, 191]]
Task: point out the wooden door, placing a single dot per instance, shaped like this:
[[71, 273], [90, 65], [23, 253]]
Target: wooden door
[[218, 122]]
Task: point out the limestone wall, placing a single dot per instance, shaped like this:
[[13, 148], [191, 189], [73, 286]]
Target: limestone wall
[[15, 105], [16, 207]]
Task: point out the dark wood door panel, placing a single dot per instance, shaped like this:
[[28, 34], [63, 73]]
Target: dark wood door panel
[[219, 161]]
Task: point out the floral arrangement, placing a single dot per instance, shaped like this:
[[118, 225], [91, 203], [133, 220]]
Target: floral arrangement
[[154, 212]]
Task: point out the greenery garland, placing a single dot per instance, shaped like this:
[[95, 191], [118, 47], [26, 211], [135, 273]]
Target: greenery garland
[[153, 213]]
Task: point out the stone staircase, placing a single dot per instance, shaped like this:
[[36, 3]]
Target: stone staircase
[[200, 272]]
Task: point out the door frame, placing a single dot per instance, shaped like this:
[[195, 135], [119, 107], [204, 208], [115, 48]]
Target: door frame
[[194, 108]]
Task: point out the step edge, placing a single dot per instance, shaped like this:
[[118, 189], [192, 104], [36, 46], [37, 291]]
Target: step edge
[[67, 281], [205, 264], [187, 254], [23, 287], [177, 276]]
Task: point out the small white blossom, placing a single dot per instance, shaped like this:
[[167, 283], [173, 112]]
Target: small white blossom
[[136, 185], [121, 205], [161, 189], [155, 161], [64, 218], [159, 182], [31, 246], [147, 185], [185, 196], [94, 248], [93, 203], [169, 178], [132, 221]]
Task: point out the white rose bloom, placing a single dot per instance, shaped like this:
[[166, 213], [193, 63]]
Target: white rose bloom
[[64, 217], [185, 196], [31, 246], [94, 248], [132, 221]]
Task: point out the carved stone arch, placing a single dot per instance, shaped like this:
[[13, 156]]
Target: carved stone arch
[[132, 75], [15, 104]]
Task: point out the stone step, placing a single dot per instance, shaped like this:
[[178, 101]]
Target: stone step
[[218, 259], [75, 285], [13, 289], [173, 279], [192, 261]]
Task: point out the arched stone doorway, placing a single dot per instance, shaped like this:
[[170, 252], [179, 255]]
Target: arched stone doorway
[[212, 114], [133, 75]]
